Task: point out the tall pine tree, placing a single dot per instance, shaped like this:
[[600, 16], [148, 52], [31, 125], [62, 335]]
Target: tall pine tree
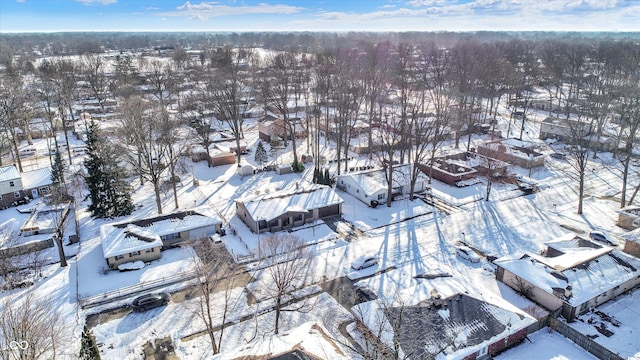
[[57, 170], [109, 192]]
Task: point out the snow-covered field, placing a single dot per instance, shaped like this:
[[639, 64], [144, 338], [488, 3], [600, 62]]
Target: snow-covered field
[[410, 238]]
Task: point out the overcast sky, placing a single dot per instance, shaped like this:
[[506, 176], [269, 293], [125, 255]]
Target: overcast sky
[[320, 15]]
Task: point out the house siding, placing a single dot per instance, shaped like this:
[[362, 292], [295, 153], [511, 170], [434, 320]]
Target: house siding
[[144, 256], [547, 300]]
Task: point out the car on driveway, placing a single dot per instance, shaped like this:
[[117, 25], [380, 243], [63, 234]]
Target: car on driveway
[[150, 301], [467, 254], [364, 262], [601, 237]]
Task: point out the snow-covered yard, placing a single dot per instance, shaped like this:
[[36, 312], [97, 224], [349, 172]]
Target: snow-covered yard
[[410, 238]]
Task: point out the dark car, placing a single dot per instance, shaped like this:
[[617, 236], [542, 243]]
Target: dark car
[[150, 301]]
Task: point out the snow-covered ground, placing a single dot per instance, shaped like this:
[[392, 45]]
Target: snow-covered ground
[[410, 238]]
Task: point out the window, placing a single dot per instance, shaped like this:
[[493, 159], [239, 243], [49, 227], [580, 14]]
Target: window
[[149, 250], [381, 196], [135, 253], [119, 257], [16, 195], [170, 237], [11, 183], [273, 222], [262, 224], [297, 217]]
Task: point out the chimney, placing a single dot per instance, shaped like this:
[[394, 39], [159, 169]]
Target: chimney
[[567, 291]]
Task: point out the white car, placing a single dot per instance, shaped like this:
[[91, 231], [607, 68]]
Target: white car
[[600, 236], [364, 262], [467, 254]]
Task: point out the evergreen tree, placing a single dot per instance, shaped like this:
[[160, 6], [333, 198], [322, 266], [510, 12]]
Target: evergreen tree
[[261, 154], [57, 170], [110, 194]]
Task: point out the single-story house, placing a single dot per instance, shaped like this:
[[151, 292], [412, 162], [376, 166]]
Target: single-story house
[[563, 129], [449, 171], [10, 186], [629, 217], [36, 183], [370, 186], [573, 274], [269, 128], [144, 239], [287, 208], [459, 326], [512, 151]]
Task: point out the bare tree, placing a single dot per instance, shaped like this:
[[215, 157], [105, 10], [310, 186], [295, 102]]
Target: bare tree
[[94, 72], [580, 150], [432, 115], [143, 147], [8, 262], [279, 87], [31, 328], [226, 91], [14, 112], [216, 274], [286, 260], [199, 118], [493, 169]]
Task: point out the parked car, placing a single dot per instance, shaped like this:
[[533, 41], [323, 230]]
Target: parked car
[[364, 262], [215, 238], [467, 254], [150, 301], [600, 236], [559, 156]]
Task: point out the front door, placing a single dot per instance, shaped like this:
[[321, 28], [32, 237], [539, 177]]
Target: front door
[[34, 193]]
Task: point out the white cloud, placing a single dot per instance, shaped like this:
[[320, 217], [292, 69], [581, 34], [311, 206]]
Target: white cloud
[[102, 2], [206, 10], [426, 3]]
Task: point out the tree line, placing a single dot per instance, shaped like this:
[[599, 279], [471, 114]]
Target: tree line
[[412, 96]]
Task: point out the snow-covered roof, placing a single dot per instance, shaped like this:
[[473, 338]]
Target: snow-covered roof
[[433, 324], [36, 178], [123, 238], [590, 271], [119, 241], [373, 181], [305, 198], [9, 173]]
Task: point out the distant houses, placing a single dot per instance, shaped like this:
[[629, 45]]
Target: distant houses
[[573, 274], [287, 208], [143, 239]]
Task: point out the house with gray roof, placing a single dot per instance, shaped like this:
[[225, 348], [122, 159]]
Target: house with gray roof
[[573, 274], [459, 326]]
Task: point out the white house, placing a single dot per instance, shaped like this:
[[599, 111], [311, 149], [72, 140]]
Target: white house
[[10, 185], [370, 186], [574, 274], [36, 182]]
